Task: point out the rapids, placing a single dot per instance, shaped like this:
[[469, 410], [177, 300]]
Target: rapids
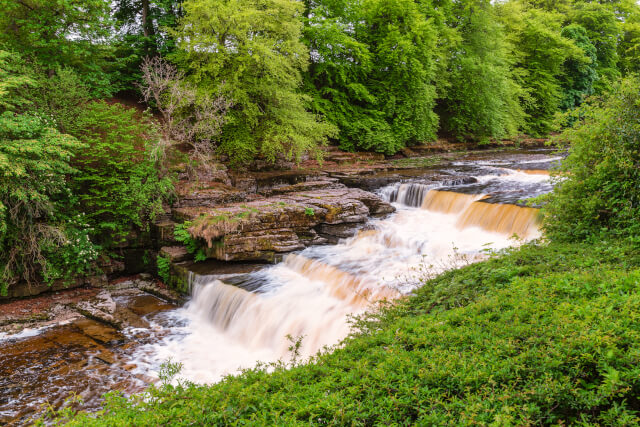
[[233, 323], [446, 216]]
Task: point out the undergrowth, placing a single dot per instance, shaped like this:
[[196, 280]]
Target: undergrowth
[[537, 335]]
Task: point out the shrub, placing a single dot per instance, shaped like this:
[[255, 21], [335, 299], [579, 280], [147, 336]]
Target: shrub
[[598, 189], [164, 267], [34, 164], [194, 246], [261, 74], [117, 186]]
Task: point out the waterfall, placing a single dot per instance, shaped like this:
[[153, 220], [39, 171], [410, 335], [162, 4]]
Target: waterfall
[[473, 211], [311, 294], [342, 285], [501, 218], [449, 202], [409, 194]]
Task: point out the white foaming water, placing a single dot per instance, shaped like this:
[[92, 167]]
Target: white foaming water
[[25, 333], [311, 295]]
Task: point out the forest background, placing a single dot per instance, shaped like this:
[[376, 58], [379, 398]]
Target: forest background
[[237, 80]]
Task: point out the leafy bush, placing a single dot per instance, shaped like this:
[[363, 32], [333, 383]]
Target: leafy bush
[[371, 72], [599, 187], [540, 335], [193, 245], [164, 267], [260, 75], [480, 96], [117, 185], [34, 164], [60, 96]]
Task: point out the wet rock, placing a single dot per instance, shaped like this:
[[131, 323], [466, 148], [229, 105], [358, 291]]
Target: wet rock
[[164, 232], [127, 318], [99, 332], [209, 194], [320, 184], [464, 180], [162, 293], [107, 357], [262, 229], [335, 232], [175, 253], [245, 183], [143, 305], [100, 308]]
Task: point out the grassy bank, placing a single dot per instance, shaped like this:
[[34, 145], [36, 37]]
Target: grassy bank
[[540, 335]]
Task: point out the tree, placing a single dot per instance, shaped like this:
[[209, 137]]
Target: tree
[[603, 30], [481, 96], [59, 33], [599, 189], [371, 72], [629, 42], [188, 118], [580, 73], [540, 51], [34, 164], [143, 31], [118, 185], [251, 51]]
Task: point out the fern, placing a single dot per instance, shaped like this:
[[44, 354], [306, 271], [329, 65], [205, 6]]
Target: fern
[[164, 266], [194, 246]]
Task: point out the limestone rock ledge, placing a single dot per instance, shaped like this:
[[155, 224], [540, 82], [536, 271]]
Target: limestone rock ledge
[[289, 221]]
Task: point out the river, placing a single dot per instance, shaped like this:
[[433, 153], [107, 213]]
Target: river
[[233, 321]]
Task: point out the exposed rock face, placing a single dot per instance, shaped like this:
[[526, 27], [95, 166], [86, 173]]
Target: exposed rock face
[[297, 216]]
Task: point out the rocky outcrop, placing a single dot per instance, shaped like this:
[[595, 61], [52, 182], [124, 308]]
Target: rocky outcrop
[[299, 215]]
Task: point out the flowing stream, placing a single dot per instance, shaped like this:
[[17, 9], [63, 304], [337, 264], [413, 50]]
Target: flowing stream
[[233, 321]]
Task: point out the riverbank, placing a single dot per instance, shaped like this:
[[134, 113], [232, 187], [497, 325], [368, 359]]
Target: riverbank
[[544, 334]]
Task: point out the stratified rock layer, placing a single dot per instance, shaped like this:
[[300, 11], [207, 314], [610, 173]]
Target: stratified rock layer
[[296, 216]]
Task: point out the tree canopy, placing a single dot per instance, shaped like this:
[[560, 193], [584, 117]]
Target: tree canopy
[[249, 81]]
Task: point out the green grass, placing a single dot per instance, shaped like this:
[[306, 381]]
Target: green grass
[[416, 162], [541, 335]]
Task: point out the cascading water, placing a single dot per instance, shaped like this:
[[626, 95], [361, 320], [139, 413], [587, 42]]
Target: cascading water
[[311, 294]]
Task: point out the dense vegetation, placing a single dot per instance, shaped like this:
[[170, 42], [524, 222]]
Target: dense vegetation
[[238, 80], [76, 176], [546, 334], [367, 74]]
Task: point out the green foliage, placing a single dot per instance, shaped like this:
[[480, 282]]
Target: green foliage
[[61, 33], [603, 30], [481, 97], [12, 79], [579, 73], [117, 185], [163, 263], [598, 189], [540, 51], [194, 246], [61, 96], [34, 164], [542, 335], [371, 72], [309, 211], [251, 50], [629, 42], [144, 32]]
